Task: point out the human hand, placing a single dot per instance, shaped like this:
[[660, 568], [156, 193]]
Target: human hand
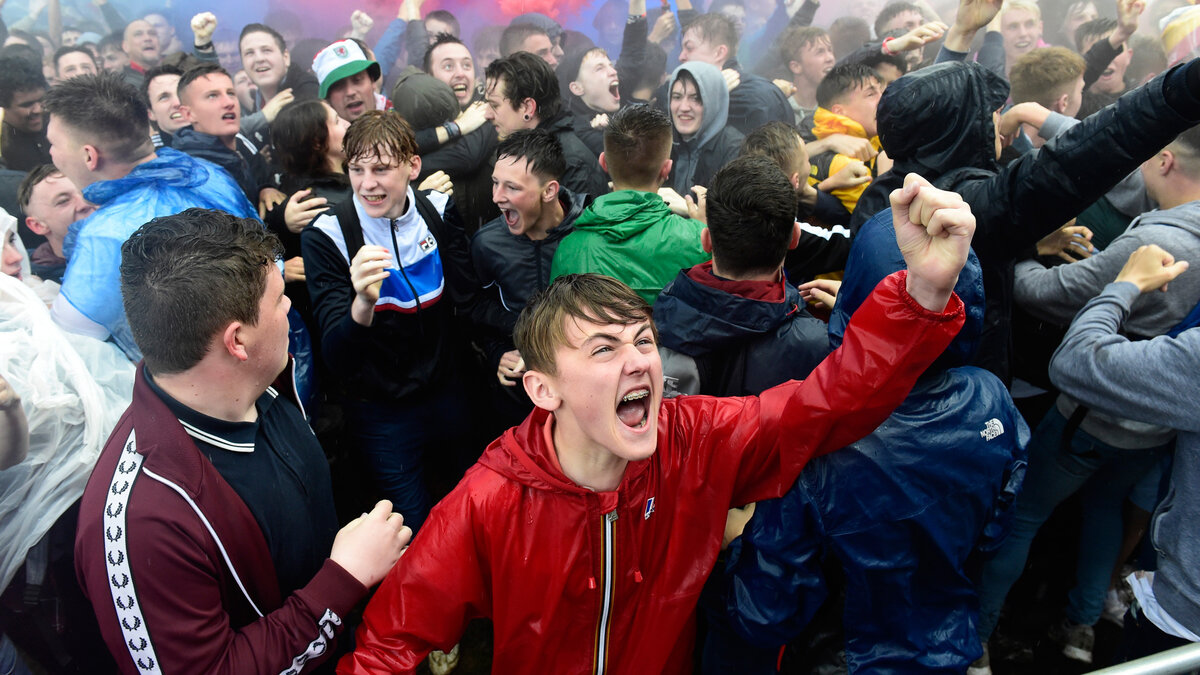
[[697, 209], [512, 367], [1128, 14], [368, 269], [854, 173], [600, 121], [1070, 242], [438, 180], [918, 37], [301, 209], [933, 230], [472, 118], [360, 24], [674, 201], [785, 86], [269, 198], [272, 107], [732, 78], [664, 28], [735, 524], [8, 396], [410, 10], [1150, 267], [821, 291], [203, 26], [293, 269], [851, 146], [368, 546]]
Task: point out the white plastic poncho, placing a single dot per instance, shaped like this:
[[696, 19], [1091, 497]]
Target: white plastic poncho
[[73, 390]]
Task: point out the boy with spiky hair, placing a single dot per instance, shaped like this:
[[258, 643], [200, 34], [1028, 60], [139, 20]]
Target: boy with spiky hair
[[586, 533]]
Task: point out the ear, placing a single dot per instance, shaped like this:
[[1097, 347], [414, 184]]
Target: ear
[[231, 341], [541, 390], [36, 226], [1060, 104], [186, 111], [415, 169], [91, 157], [722, 52], [287, 59], [603, 162], [528, 107], [575, 88], [837, 109], [795, 67], [706, 241], [550, 192], [795, 236], [665, 170], [1166, 162], [794, 179]]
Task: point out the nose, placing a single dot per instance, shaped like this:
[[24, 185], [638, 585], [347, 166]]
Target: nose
[[11, 255], [496, 196], [489, 114], [637, 361]]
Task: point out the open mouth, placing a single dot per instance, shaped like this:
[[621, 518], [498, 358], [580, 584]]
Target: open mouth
[[614, 90], [175, 116], [634, 408], [1109, 72], [373, 200], [229, 117], [510, 217]]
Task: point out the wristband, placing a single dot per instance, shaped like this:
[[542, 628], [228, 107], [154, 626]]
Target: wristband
[[452, 129], [884, 47], [204, 47]]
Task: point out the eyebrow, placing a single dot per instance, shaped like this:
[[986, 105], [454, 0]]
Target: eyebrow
[[609, 337]]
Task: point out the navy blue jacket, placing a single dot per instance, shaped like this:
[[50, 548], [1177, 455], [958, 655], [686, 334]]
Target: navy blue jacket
[[901, 511]]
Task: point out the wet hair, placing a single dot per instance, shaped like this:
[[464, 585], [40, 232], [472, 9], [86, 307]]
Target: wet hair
[[441, 39], [1093, 30], [715, 29], [17, 75], [31, 180], [842, 80], [203, 69], [751, 216], [515, 35], [63, 51], [300, 135], [104, 111], [795, 39], [262, 28], [538, 147], [446, 18], [542, 326], [892, 11], [1044, 74], [637, 141], [377, 133], [526, 76], [26, 53], [156, 72], [185, 277], [848, 33], [776, 141]]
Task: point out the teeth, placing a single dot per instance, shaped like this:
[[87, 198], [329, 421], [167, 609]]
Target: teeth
[[635, 395]]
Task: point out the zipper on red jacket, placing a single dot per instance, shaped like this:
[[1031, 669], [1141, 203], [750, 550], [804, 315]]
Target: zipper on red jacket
[[600, 663]]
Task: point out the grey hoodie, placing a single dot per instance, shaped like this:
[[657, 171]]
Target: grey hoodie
[[1055, 294], [1151, 381], [710, 84]]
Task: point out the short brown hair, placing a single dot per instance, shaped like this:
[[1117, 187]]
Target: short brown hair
[[1045, 74], [636, 143], [378, 133], [778, 142], [796, 38], [541, 328], [31, 180], [715, 29], [185, 277]]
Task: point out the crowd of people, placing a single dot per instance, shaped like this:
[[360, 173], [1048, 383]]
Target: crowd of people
[[758, 337]]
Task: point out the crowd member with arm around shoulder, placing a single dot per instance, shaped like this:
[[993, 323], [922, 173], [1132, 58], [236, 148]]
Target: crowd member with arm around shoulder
[[189, 564], [1151, 381], [630, 477]]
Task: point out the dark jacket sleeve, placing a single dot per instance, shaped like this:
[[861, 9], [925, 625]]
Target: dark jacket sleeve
[[112, 17], [1098, 57], [991, 54], [1040, 191], [463, 157], [633, 55]]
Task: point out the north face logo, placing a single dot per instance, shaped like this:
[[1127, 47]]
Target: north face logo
[[992, 429]]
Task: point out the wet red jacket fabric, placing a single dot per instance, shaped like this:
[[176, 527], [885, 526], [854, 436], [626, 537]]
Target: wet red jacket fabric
[[579, 581]]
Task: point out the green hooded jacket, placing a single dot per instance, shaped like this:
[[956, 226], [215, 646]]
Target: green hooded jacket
[[631, 236]]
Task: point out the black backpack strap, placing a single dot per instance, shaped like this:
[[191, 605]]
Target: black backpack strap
[[347, 218]]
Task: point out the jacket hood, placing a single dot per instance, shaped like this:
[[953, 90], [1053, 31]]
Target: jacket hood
[[620, 215], [713, 94], [172, 169], [1185, 216], [940, 118], [695, 319], [198, 144], [873, 256]]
